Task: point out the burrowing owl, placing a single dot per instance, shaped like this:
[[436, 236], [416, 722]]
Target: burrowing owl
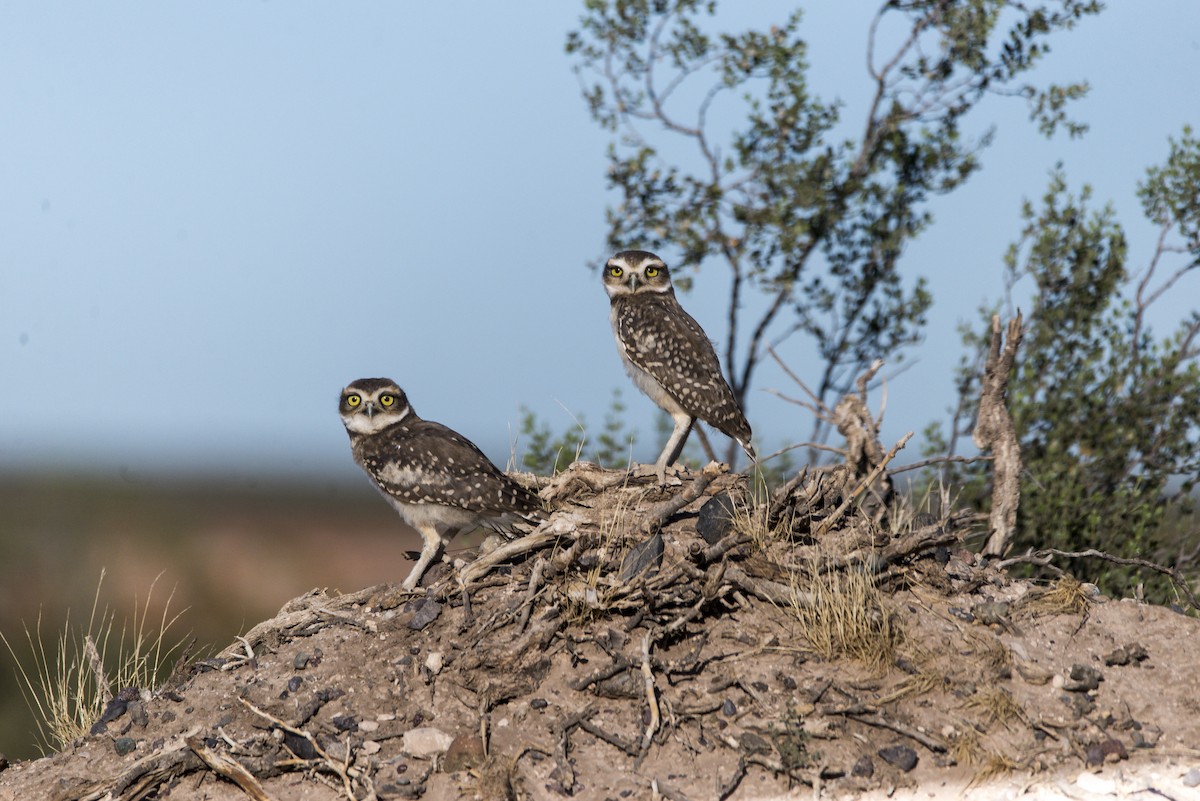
[[667, 353], [437, 479]]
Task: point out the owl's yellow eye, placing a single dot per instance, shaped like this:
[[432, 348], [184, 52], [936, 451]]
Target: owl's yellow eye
[[651, 272], [386, 401], [615, 272], [353, 401]]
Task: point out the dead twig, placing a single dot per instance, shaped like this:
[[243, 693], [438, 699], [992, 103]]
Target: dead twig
[[229, 768], [726, 788], [657, 516], [994, 431], [873, 717], [339, 768], [828, 523], [1043, 556], [561, 525], [651, 697]]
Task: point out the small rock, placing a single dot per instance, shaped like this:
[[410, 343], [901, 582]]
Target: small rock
[[864, 767], [716, 518], [294, 683], [345, 723], [729, 708], [434, 662], [643, 559], [370, 747], [425, 741], [137, 713], [901, 756], [300, 746], [961, 614], [1081, 704], [754, 744], [1131, 654], [300, 662], [1083, 678], [789, 683], [539, 703], [367, 726], [426, 611], [1091, 783], [124, 745], [1192, 778], [1147, 736], [3, 761], [1113, 750], [465, 752]]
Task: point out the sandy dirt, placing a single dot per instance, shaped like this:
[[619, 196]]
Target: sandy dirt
[[558, 680]]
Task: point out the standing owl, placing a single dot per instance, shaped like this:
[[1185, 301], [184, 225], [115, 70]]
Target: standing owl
[[437, 479], [667, 354]]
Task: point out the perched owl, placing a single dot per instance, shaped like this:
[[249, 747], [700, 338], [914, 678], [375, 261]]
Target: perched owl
[[667, 353], [437, 479]]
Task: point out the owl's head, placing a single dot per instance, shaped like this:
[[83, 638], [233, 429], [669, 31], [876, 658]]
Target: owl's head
[[633, 272], [370, 405]]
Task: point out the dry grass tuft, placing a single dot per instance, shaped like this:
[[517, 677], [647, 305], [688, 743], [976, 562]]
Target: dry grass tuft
[[996, 705], [591, 595], [918, 684], [1066, 597], [994, 765], [967, 748], [68, 686], [843, 613], [994, 657]]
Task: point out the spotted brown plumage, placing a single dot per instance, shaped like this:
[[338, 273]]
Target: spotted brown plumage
[[437, 479], [667, 353]]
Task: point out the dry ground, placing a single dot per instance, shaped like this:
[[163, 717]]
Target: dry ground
[[704, 677]]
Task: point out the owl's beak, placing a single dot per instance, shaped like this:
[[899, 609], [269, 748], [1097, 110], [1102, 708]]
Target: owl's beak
[[633, 281], [370, 410]]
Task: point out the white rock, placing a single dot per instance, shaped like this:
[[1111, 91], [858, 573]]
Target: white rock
[[434, 662], [367, 725], [1091, 783], [371, 747], [425, 741]]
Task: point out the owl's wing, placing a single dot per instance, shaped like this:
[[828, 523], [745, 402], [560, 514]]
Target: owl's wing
[[431, 463], [662, 339]]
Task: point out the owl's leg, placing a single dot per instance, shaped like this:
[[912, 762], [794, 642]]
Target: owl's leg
[[429, 552], [683, 427]]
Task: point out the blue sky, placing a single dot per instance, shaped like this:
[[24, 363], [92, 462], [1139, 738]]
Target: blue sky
[[213, 216]]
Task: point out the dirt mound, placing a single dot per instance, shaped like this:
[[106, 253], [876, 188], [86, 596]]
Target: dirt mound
[[645, 644]]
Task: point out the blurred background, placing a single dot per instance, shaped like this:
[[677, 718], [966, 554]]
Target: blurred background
[[213, 217]]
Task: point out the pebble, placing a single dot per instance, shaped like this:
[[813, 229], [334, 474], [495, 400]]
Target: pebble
[[426, 741], [465, 752], [1083, 678], [864, 767], [901, 756], [426, 613], [1192, 778], [124, 745]]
